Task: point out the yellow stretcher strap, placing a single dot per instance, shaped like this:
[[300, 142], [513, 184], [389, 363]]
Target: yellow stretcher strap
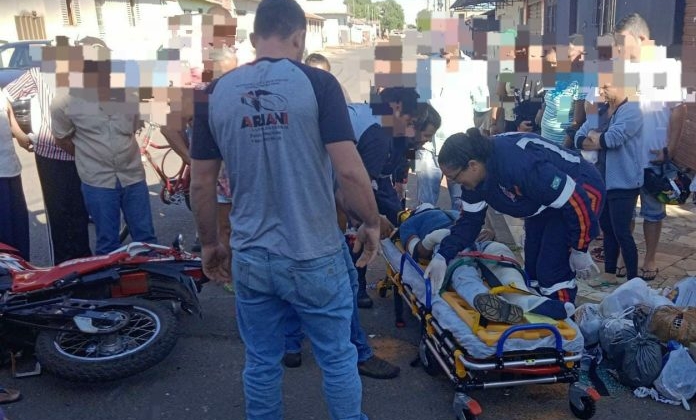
[[509, 288]]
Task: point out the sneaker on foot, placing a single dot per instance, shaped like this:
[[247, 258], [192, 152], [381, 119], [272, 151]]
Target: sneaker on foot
[[496, 309], [377, 368], [292, 360]]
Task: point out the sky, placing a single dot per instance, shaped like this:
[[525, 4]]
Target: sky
[[411, 9]]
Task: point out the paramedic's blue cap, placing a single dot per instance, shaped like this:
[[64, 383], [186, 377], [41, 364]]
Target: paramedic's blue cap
[[423, 207]]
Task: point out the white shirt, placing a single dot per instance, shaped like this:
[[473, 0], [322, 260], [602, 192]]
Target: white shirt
[[659, 86]]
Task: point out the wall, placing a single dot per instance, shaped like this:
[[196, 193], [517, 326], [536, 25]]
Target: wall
[[331, 32], [660, 16], [119, 34], [51, 12], [245, 12], [314, 41], [509, 14]]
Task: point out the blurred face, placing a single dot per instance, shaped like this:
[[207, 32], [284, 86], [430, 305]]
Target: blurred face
[[425, 135], [628, 45], [321, 66], [576, 53]]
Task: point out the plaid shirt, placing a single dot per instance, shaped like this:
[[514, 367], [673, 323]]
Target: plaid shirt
[[32, 83]]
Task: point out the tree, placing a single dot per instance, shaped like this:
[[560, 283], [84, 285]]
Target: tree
[[423, 20], [362, 9], [393, 14]]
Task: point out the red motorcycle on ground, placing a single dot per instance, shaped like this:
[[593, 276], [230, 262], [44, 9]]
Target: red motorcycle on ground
[[99, 318]]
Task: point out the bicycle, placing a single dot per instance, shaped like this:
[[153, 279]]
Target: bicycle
[[175, 189]]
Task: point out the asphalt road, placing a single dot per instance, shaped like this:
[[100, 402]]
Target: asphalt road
[[201, 378]]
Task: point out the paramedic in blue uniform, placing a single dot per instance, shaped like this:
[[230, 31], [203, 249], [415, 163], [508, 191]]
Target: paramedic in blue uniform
[[282, 129], [559, 194]]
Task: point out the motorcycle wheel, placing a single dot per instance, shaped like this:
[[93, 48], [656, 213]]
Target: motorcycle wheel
[[146, 339]]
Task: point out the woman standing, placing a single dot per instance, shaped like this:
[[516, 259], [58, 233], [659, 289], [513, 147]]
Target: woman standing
[[559, 194], [620, 162]]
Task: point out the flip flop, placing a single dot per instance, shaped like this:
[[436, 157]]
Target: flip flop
[[8, 395], [649, 275], [621, 272]]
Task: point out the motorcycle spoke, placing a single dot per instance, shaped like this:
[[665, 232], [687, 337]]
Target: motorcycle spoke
[[140, 329]]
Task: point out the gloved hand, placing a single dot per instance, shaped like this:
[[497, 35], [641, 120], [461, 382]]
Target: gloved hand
[[582, 264], [434, 238], [436, 272]]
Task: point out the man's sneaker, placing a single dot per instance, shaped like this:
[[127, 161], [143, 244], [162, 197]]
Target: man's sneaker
[[292, 360], [364, 300], [496, 309], [377, 368]]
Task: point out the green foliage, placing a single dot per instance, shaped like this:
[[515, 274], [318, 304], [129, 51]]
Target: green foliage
[[423, 20], [362, 9], [393, 14]]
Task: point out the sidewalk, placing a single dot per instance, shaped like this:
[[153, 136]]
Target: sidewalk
[[676, 252]]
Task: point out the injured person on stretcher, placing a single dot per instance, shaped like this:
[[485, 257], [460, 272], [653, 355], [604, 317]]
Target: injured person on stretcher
[[421, 234]]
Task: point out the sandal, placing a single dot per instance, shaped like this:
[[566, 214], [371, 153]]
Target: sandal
[[597, 254], [621, 272], [8, 395], [649, 275]]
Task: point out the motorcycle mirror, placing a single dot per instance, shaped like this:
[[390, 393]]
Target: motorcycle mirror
[[178, 243]]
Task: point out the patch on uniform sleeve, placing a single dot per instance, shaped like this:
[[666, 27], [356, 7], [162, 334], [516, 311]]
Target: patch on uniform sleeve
[[556, 182]]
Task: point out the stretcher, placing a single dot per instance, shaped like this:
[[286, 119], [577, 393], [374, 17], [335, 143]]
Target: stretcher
[[479, 355]]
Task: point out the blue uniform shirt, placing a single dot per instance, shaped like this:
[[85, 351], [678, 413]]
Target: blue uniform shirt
[[525, 176]]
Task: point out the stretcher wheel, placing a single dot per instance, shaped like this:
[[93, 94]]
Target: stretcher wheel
[[465, 407], [467, 415], [587, 412], [430, 365]]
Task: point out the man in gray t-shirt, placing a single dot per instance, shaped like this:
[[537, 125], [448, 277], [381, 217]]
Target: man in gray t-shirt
[[281, 128]]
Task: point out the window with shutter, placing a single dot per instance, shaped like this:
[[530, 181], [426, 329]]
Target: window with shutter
[[98, 8], [605, 16], [70, 11], [550, 16], [133, 10]]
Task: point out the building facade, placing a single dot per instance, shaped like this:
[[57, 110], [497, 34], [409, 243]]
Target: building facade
[[120, 23]]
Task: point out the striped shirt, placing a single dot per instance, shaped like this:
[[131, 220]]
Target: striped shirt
[[33, 83], [559, 110]]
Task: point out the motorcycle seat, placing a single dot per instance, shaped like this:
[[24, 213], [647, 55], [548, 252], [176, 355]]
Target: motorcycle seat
[[38, 278]]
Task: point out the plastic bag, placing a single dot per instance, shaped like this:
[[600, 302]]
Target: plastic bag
[[678, 378], [684, 292], [590, 322], [614, 335], [642, 360], [633, 292]]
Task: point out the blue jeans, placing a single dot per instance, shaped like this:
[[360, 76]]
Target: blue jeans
[[320, 292], [428, 176], [105, 205], [293, 329]]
